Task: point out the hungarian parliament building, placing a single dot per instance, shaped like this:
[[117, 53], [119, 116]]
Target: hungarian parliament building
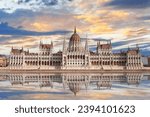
[[76, 56]]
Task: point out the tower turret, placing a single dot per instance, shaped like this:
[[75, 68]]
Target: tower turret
[[64, 45], [86, 46]]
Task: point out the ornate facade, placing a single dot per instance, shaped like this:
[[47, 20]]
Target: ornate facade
[[75, 56], [3, 61]]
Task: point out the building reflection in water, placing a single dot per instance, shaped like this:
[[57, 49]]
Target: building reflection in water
[[74, 82]]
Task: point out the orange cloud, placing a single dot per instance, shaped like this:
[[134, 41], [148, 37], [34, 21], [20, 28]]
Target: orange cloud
[[95, 24], [120, 14], [134, 32], [117, 15], [111, 16], [30, 41], [41, 26], [47, 22], [89, 18], [100, 28], [101, 21]]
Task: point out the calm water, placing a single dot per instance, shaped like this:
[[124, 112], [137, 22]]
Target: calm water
[[75, 86]]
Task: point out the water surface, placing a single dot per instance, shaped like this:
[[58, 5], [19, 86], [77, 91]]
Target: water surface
[[66, 86]]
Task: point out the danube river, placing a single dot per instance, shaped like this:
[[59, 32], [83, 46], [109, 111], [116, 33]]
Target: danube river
[[74, 86]]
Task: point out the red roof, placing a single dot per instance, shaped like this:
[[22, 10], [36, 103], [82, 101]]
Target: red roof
[[46, 46], [105, 46], [17, 51], [133, 52]]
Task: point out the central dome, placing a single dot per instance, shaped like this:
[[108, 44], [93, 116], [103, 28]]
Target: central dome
[[75, 37], [74, 42]]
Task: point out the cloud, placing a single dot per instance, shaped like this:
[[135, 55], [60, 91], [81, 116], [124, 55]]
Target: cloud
[[135, 32], [5, 29], [103, 21], [116, 15], [42, 21], [28, 42], [33, 5], [132, 4], [28, 20], [95, 24], [142, 41], [145, 18], [44, 2], [50, 2]]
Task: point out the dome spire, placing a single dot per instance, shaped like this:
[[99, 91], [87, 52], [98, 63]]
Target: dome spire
[[75, 29]]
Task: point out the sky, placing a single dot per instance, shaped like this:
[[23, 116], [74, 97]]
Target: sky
[[24, 23]]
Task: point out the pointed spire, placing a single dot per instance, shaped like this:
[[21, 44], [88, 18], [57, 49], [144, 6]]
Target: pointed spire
[[128, 47], [64, 44], [52, 43], [40, 42], [11, 48], [22, 49], [137, 46], [86, 44], [40, 46], [99, 43], [75, 30]]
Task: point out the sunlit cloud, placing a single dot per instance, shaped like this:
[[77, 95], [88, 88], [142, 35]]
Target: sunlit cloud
[[117, 20], [40, 26], [135, 32]]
